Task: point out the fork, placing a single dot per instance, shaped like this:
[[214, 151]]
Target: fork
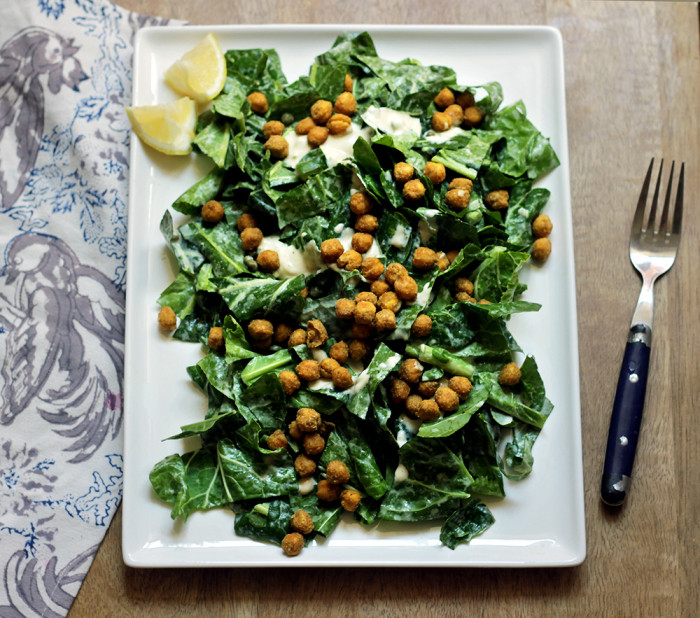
[[653, 249]]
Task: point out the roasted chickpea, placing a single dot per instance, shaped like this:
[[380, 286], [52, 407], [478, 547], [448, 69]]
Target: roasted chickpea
[[541, 249], [424, 258], [456, 113], [212, 212], [258, 102], [261, 345], [339, 351], [346, 104], [497, 200], [308, 370], [298, 337], [462, 284], [321, 111], [458, 199], [350, 499], [328, 365], [447, 399], [460, 183], [379, 287], [272, 127], [542, 226], [358, 349], [316, 334], [364, 312], [308, 420], [167, 319], [441, 121], [406, 288], [362, 242], [292, 544], [371, 269], [290, 382], [317, 136], [345, 308], [246, 220], [385, 320], [411, 371], [394, 271], [464, 99], [349, 260], [251, 237], [282, 334], [428, 388], [331, 250], [313, 444], [366, 223], [362, 331], [428, 410], [443, 262], [278, 146], [413, 190], [327, 492], [301, 522], [412, 404], [360, 203], [422, 326], [403, 172], [304, 465], [342, 378], [260, 329], [399, 390], [390, 301], [367, 297], [444, 98], [460, 385], [509, 375], [268, 261], [304, 126], [347, 86], [215, 339], [276, 440], [452, 255], [338, 124], [435, 171], [337, 472], [472, 116], [463, 297]]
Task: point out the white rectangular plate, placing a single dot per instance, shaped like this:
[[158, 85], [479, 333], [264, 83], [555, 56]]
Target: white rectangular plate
[[541, 520]]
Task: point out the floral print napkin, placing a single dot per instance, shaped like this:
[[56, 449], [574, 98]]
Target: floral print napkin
[[65, 77]]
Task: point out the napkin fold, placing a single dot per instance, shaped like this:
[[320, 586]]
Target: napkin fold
[[65, 78]]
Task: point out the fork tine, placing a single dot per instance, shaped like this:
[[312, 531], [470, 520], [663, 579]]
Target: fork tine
[[663, 226], [655, 200], [678, 210], [639, 212]]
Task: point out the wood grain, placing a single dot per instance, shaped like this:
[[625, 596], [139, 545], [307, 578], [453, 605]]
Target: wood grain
[[633, 86]]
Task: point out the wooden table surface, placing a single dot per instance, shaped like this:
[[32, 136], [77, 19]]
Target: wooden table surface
[[633, 87]]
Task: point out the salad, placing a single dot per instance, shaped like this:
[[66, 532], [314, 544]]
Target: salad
[[350, 264]]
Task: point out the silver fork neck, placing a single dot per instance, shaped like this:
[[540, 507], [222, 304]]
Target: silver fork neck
[[643, 317]]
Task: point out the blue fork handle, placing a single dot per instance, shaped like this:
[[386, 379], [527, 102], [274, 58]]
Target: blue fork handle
[[625, 422]]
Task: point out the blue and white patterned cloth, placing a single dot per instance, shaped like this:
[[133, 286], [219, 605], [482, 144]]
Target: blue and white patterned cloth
[[65, 77]]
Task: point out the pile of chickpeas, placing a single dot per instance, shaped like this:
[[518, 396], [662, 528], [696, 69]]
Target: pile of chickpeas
[[324, 119], [310, 432]]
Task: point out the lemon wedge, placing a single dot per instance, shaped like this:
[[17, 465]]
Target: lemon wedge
[[168, 127], [201, 72]]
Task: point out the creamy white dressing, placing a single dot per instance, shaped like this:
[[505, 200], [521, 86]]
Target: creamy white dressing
[[320, 385], [390, 121], [401, 473], [336, 148], [306, 486], [423, 296], [360, 381], [293, 262], [440, 137], [319, 355], [523, 212], [400, 236], [413, 424], [427, 227]]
